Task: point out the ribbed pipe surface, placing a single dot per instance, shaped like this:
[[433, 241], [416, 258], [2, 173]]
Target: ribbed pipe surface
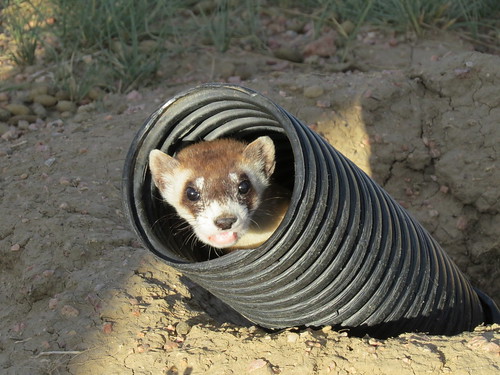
[[346, 254]]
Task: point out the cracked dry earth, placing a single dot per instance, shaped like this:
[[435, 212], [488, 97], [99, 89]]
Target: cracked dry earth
[[81, 296]]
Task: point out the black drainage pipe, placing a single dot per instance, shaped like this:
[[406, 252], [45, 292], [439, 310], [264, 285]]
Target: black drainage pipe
[[346, 254]]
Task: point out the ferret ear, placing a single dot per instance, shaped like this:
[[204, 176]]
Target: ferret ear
[[162, 167], [261, 151]]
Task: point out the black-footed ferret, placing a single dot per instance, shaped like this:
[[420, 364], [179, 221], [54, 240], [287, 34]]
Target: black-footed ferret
[[222, 189]]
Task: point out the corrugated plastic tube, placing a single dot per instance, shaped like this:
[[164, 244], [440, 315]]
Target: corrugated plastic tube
[[346, 254]]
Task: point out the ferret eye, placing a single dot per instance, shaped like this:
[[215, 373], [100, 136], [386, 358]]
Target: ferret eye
[[244, 187], [192, 194]]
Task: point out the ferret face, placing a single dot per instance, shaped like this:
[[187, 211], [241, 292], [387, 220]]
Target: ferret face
[[215, 185]]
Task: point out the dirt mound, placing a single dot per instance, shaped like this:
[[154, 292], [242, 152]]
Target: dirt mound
[[80, 295]]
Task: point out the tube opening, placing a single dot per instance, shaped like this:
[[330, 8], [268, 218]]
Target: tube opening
[[169, 236]]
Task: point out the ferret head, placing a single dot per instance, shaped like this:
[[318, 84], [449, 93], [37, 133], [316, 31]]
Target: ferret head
[[215, 185]]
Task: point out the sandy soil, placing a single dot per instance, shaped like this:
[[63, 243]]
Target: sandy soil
[[80, 295]]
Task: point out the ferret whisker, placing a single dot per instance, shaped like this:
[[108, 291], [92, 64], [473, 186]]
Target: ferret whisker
[[254, 222]]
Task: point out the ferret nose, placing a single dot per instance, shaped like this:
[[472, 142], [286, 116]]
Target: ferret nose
[[225, 222]]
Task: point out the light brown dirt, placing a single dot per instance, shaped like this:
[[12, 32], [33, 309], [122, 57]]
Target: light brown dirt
[[80, 295]]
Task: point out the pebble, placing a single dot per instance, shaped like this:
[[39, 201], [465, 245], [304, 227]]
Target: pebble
[[66, 114], [170, 345], [348, 27], [289, 54], [39, 110], [95, 93], [48, 273], [63, 95], [433, 213], [53, 303], [15, 247], [323, 104], [86, 108], [313, 91], [39, 90], [4, 114], [324, 46], [45, 100], [11, 134], [49, 162], [18, 109], [4, 127], [257, 364], [66, 106], [107, 328], [69, 311], [462, 223], [182, 328], [292, 337], [65, 181], [15, 119], [23, 124]]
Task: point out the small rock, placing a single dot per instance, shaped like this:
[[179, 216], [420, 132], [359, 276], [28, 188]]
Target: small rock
[[18, 109], [170, 345], [15, 119], [95, 93], [348, 27], [23, 124], [375, 342], [66, 106], [80, 117], [292, 337], [4, 97], [66, 114], [107, 328], [65, 181], [48, 273], [86, 108], [462, 223], [289, 54], [257, 364], [53, 303], [39, 90], [64, 206], [56, 124], [63, 95], [433, 213], [4, 127], [324, 46], [313, 91], [141, 348], [69, 311], [4, 114], [39, 110], [182, 328], [45, 100], [323, 104], [11, 134], [49, 162], [15, 247]]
